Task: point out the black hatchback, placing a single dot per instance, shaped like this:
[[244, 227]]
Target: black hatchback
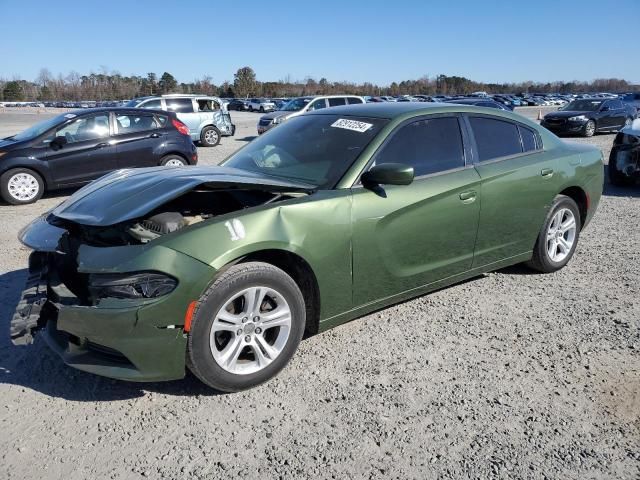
[[76, 147]]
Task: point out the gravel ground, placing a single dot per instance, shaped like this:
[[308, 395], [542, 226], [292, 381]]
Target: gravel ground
[[510, 375]]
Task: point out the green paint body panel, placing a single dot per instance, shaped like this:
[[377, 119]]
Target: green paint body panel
[[367, 249]]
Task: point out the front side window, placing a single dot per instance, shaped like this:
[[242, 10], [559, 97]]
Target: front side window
[[495, 138], [91, 127], [429, 146], [335, 102], [155, 104], [616, 105], [131, 123], [179, 105], [318, 104]]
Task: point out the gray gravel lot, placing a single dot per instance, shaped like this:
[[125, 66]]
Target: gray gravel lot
[[509, 375]]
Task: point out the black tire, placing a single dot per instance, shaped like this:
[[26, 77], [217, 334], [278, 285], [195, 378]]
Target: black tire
[[251, 108], [210, 136], [261, 109], [173, 159], [541, 260], [5, 190], [200, 359], [589, 129]]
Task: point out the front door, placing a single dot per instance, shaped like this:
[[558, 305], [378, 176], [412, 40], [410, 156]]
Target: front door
[[409, 236], [87, 152]]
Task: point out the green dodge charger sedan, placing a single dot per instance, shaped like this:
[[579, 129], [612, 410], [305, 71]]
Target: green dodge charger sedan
[[327, 217]]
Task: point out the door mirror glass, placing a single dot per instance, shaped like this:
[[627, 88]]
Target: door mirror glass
[[58, 142], [388, 174]]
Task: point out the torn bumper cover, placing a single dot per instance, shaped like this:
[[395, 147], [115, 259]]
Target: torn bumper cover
[[128, 339]]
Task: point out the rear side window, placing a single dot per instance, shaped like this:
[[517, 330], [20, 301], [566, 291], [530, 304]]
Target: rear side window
[[130, 123], [616, 105], [354, 100], [334, 102], [495, 138], [179, 105], [529, 143], [429, 146]]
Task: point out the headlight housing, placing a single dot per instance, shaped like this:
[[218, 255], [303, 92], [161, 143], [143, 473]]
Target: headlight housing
[[578, 118], [134, 285], [278, 120]]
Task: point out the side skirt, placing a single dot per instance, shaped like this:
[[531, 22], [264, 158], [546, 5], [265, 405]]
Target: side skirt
[[386, 302]]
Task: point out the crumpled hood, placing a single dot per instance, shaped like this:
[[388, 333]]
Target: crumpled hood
[[127, 194]]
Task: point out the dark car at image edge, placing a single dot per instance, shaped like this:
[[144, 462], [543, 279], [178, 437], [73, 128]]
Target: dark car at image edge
[[74, 148], [589, 116]]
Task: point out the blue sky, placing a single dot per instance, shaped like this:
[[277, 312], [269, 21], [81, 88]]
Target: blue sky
[[376, 41]]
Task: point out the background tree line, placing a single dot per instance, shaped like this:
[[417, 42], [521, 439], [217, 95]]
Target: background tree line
[[114, 86]]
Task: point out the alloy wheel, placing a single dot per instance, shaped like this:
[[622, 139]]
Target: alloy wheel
[[590, 128], [250, 330], [23, 186], [561, 235], [211, 136], [174, 162]]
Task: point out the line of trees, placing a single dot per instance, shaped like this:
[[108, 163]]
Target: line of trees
[[114, 86]]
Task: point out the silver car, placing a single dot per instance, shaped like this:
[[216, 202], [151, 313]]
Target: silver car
[[207, 117], [300, 105]]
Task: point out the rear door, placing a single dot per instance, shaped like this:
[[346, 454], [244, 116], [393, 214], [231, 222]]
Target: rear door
[[407, 236], [138, 139], [187, 113], [519, 182], [88, 152], [618, 113]]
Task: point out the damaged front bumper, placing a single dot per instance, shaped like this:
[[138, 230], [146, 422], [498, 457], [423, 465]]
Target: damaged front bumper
[[127, 339]]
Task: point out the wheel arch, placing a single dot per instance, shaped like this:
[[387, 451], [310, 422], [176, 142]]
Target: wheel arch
[[41, 172], [176, 153], [300, 271], [578, 195]]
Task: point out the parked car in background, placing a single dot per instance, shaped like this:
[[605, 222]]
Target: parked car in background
[[74, 148], [222, 269], [480, 102], [632, 99], [300, 105], [261, 105], [205, 116], [624, 160], [588, 116], [238, 104]]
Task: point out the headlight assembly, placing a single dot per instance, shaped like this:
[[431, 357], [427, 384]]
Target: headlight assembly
[[130, 285], [578, 118]]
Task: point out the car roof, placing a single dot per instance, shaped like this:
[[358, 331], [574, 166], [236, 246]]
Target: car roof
[[137, 111]]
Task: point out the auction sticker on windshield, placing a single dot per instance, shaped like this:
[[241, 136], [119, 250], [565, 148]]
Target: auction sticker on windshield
[[352, 125]]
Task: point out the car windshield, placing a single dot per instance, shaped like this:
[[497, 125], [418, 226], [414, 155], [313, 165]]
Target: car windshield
[[135, 102], [41, 127], [315, 149], [583, 105], [295, 105]]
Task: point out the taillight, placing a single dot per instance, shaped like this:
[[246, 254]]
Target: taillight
[[181, 127]]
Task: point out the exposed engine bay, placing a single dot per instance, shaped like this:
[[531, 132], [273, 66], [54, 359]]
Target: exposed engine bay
[[189, 209]]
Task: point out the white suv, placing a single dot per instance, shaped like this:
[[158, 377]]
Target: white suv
[[300, 105], [261, 104]]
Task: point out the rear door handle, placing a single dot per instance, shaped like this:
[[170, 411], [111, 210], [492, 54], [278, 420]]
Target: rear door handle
[[102, 145], [154, 135], [546, 172], [468, 197]]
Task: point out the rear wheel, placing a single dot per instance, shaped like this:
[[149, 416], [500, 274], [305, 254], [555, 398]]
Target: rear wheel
[[20, 186], [246, 327], [589, 129], [210, 136], [173, 161], [558, 237]]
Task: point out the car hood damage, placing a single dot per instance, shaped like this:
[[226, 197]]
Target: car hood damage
[[129, 194]]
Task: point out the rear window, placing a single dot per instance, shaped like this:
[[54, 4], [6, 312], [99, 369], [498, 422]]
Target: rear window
[[495, 138], [528, 136], [354, 100], [335, 102], [179, 105]]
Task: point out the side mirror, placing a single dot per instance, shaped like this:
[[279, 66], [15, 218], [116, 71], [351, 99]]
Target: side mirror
[[604, 108], [58, 142], [388, 174]]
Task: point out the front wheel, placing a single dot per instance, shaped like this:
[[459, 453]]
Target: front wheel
[[20, 186], [210, 136], [589, 129], [246, 327], [558, 237]]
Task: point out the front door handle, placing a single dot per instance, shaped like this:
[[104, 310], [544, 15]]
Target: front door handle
[[546, 172], [102, 145], [468, 197]]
